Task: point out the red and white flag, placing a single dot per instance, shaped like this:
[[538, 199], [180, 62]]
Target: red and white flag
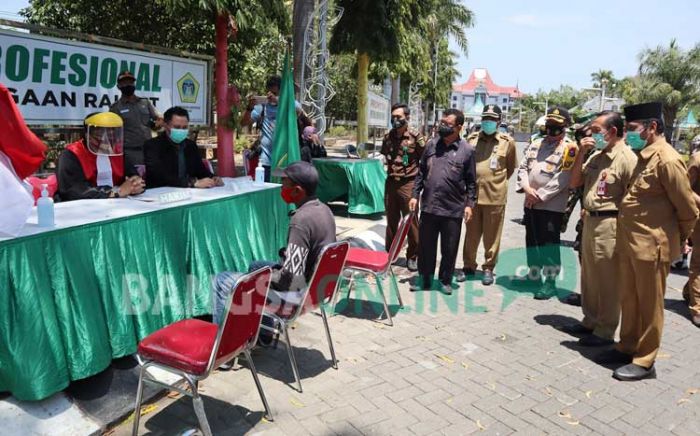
[[21, 153]]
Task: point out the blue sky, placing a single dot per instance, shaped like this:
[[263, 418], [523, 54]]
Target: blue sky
[[545, 43]]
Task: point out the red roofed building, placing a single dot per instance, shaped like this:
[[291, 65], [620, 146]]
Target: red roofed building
[[471, 96]]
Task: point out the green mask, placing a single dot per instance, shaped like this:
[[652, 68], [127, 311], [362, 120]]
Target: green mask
[[489, 127], [599, 141], [635, 141]]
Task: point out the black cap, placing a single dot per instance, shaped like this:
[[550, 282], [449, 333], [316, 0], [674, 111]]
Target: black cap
[[644, 111], [558, 115], [302, 173], [126, 74], [491, 110]]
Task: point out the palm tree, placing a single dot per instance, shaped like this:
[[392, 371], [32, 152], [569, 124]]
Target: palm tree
[[366, 29], [231, 16], [600, 75], [671, 75], [444, 19]]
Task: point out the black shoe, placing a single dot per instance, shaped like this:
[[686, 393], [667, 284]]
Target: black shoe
[[613, 356], [419, 284], [594, 341], [573, 299], [446, 288], [460, 276], [469, 272], [487, 279], [412, 265], [632, 372], [576, 329]]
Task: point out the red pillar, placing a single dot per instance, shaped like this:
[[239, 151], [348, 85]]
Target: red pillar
[[224, 136]]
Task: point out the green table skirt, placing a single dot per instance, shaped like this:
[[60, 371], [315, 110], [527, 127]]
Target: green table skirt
[[72, 300], [362, 181]]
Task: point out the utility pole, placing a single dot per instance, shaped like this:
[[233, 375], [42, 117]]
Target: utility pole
[[603, 85]]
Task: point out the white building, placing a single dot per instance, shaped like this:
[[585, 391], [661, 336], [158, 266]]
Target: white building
[[471, 96]]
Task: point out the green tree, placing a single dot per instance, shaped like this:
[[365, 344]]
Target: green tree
[[189, 25], [367, 30], [668, 74]]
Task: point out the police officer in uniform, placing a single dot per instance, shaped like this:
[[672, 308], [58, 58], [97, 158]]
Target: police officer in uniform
[[496, 161], [140, 118], [544, 176], [656, 213], [604, 177], [691, 290], [402, 148]]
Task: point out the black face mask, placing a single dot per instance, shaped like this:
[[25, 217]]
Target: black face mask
[[127, 90], [554, 130], [397, 123], [445, 131]]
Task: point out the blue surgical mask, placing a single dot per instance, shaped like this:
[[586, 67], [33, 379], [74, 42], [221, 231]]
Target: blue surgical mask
[[635, 141], [178, 135], [600, 142], [489, 127]]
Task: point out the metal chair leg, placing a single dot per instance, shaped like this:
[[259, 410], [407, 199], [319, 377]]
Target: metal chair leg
[[328, 336], [392, 277], [198, 406], [380, 288], [292, 359], [268, 412], [139, 398], [336, 297]]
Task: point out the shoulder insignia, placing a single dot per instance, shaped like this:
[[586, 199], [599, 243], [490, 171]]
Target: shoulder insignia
[[569, 158]]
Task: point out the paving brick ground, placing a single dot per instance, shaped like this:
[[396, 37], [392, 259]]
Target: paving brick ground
[[466, 367]]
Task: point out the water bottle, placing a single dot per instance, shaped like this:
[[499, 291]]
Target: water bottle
[[44, 208], [260, 174]]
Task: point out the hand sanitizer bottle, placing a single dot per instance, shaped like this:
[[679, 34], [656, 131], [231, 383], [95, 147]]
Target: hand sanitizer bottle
[[260, 174], [44, 208]]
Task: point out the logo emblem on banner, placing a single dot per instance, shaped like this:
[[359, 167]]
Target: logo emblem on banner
[[188, 87]]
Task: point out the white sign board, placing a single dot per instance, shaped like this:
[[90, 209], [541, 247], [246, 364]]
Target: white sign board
[[379, 110], [58, 81]]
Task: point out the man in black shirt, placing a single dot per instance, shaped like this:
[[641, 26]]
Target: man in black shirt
[[447, 181], [172, 159]]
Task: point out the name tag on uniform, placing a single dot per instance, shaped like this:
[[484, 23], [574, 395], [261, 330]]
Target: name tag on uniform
[[494, 162], [602, 186], [123, 111]]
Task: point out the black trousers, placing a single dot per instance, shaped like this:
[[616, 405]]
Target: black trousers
[[543, 242], [448, 229]]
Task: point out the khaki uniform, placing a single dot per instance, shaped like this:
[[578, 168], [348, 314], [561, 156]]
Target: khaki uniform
[[138, 115], [691, 291], [606, 176], [402, 157], [546, 169], [496, 161], [657, 212]]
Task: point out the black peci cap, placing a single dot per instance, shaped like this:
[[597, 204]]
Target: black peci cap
[[644, 111], [302, 173]]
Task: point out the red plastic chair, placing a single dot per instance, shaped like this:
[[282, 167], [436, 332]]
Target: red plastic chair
[[36, 183], [379, 263], [192, 348], [321, 290]]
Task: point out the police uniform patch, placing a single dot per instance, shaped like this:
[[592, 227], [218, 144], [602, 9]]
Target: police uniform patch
[[569, 159]]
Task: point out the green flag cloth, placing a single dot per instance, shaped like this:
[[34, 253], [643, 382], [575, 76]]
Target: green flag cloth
[[285, 147]]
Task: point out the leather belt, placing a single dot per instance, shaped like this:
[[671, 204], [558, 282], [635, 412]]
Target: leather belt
[[602, 213]]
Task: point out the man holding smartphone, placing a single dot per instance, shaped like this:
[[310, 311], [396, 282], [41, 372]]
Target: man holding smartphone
[[263, 112]]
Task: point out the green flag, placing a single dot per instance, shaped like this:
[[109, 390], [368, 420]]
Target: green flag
[[285, 147]]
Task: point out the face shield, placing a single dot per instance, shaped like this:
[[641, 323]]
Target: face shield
[[106, 141], [105, 134]]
